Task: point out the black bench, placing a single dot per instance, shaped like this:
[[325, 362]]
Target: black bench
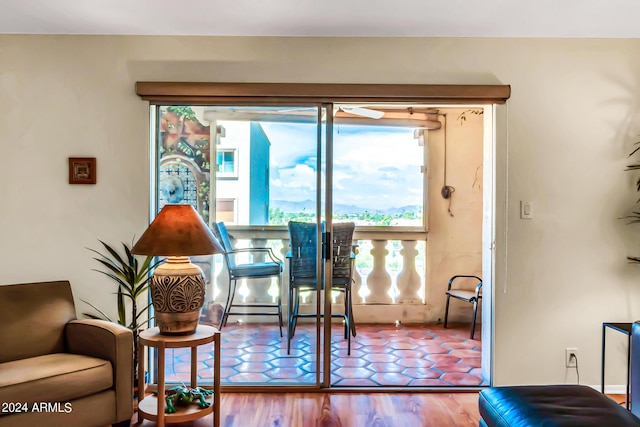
[[551, 406]]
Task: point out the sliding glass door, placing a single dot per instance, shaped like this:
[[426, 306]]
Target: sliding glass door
[[254, 173], [280, 182]]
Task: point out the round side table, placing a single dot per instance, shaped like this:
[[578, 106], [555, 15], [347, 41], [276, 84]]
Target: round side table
[[152, 407]]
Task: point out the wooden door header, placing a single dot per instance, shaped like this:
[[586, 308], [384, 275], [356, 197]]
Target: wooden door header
[[278, 93]]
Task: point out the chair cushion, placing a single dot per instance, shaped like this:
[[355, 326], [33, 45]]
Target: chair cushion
[[57, 377], [259, 269], [555, 405], [462, 294]]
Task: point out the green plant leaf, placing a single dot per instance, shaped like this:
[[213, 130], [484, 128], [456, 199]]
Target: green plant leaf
[[104, 315], [122, 317], [131, 278]]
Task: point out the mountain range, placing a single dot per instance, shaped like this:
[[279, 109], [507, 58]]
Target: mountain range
[[310, 205]]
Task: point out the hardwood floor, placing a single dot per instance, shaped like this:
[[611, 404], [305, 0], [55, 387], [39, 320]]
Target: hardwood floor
[[343, 410]]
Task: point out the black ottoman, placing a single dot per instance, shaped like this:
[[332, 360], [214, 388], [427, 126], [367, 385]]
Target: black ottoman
[[551, 406]]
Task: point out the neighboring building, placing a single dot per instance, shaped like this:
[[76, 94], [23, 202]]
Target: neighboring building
[[185, 166], [242, 198]]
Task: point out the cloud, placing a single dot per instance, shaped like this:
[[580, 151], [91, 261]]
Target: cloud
[[375, 168]]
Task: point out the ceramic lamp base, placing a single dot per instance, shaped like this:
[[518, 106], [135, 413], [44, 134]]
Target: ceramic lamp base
[[177, 292]]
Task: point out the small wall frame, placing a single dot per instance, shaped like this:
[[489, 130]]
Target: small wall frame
[[82, 170]]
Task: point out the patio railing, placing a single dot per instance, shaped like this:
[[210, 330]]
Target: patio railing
[[390, 267]]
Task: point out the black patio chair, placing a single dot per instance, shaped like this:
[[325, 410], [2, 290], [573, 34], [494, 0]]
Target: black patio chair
[[254, 270], [303, 272], [470, 296]]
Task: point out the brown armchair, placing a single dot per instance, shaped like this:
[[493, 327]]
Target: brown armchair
[[57, 370]]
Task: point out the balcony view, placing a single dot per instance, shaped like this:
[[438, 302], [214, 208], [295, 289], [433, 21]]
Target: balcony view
[[271, 166]]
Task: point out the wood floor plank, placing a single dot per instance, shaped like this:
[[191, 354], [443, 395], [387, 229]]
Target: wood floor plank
[[342, 410]]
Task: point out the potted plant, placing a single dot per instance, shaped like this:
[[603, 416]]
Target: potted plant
[[132, 279], [634, 217]]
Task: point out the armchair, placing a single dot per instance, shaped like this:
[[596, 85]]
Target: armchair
[[80, 370]]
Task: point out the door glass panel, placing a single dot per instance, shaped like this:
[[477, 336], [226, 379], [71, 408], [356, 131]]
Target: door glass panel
[[254, 169]]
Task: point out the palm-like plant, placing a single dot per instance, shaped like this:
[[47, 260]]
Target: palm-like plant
[[634, 217], [133, 281]]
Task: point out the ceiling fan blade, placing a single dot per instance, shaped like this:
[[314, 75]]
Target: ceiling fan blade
[[364, 112]]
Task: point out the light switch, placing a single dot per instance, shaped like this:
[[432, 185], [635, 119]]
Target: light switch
[[526, 210]]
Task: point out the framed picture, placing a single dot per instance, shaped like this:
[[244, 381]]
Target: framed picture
[[82, 170]]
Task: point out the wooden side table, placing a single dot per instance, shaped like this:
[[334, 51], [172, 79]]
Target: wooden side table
[[152, 407]]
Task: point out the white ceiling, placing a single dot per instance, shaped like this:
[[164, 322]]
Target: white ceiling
[[412, 18]]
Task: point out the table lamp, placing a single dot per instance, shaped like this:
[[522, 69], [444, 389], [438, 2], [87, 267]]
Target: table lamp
[[177, 286]]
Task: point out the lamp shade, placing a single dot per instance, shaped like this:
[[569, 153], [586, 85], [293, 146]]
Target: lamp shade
[[178, 230]]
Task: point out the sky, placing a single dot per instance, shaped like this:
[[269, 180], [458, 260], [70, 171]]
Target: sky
[[375, 167]]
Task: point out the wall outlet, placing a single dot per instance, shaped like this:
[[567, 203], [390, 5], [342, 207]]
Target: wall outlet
[[571, 357]]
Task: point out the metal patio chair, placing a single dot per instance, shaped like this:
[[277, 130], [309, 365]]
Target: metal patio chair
[[303, 272], [254, 270], [470, 296]]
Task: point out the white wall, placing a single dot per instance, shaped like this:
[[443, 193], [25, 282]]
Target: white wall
[[571, 121]]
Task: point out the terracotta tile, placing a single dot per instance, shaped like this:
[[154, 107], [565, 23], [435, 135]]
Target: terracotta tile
[[353, 382], [374, 349], [422, 373], [351, 362], [225, 373], [420, 382], [231, 352], [294, 352], [341, 353], [266, 341], [287, 362], [248, 377], [251, 347], [465, 353], [182, 377], [391, 379], [408, 353], [451, 367], [386, 367], [474, 362], [228, 361], [373, 342], [285, 373], [422, 336], [402, 345], [414, 363], [171, 368], [205, 373], [386, 358], [252, 367], [465, 345], [434, 349], [461, 379], [309, 378], [443, 358], [354, 373], [259, 349]]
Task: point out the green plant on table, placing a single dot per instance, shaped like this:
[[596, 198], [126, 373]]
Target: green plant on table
[[185, 396]]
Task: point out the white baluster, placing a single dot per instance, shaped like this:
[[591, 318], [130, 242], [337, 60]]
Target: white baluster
[[259, 288], [408, 280], [222, 282], [379, 281], [356, 283]]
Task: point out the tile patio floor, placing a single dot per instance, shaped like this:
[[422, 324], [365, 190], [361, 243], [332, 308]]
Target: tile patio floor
[[381, 355]]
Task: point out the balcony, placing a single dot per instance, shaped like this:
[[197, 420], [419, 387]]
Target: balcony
[[390, 272]]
